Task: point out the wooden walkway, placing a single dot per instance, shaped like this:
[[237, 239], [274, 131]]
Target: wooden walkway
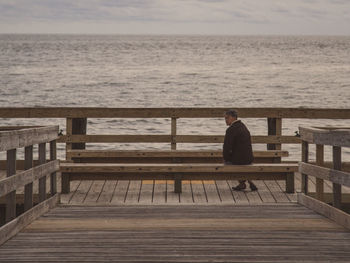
[[194, 192], [162, 192], [225, 233]]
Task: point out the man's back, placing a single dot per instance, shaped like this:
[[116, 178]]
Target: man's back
[[237, 147]]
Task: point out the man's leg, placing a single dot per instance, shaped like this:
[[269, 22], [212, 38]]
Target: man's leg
[[252, 186], [240, 187]]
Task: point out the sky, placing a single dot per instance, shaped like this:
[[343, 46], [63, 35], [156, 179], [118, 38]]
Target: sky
[[208, 17]]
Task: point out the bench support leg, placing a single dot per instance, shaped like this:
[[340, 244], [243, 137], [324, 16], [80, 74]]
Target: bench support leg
[[65, 183], [290, 183], [177, 185]]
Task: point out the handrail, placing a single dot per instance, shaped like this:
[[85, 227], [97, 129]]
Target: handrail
[[95, 112], [25, 138], [76, 123], [337, 138]]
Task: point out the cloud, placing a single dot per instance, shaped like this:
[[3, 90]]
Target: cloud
[[268, 16]]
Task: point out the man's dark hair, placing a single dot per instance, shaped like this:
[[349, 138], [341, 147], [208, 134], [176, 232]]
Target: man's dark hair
[[232, 113]]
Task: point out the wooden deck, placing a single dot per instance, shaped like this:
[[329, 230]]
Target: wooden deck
[[194, 192], [193, 233]]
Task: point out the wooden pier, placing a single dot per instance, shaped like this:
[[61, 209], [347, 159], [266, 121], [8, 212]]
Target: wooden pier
[[246, 233], [121, 217]]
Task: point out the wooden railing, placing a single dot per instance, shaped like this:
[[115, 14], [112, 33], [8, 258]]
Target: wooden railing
[[10, 141], [76, 123], [337, 138]]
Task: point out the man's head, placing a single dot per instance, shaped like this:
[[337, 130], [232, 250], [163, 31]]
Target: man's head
[[230, 117]]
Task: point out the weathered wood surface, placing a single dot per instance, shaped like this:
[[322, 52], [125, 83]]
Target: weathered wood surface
[[334, 176], [322, 208], [22, 178], [169, 138], [11, 196], [282, 233], [26, 137], [177, 172], [334, 137], [13, 227], [176, 168], [164, 153], [336, 185], [81, 112], [162, 192]]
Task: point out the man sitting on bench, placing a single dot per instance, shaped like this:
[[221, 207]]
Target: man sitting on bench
[[237, 148]]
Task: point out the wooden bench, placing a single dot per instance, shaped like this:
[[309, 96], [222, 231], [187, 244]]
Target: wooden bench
[[176, 172], [170, 156]]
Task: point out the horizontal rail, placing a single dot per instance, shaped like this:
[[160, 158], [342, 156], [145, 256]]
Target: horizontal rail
[[335, 176], [73, 112], [12, 183], [25, 137], [179, 176], [164, 153], [11, 128], [322, 208], [175, 168], [168, 139], [334, 137], [16, 225]]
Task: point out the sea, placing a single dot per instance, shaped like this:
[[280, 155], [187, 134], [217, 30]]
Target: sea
[[175, 71]]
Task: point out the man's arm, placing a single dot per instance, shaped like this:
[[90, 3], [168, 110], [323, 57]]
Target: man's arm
[[227, 148]]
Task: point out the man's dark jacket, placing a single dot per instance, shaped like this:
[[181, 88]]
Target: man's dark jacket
[[237, 144]]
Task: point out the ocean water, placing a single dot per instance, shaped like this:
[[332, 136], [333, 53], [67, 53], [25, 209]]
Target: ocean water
[[175, 71]]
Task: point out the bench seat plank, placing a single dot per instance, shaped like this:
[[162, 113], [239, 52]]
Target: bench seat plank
[[163, 153], [175, 168], [177, 172]]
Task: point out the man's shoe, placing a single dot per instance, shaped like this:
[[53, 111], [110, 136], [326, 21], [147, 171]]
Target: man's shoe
[[253, 187], [239, 187]]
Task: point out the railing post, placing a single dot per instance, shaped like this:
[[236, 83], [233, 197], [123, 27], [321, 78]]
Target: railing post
[[177, 185], [69, 132], [79, 128], [28, 189], [336, 166], [11, 197], [42, 180], [319, 181], [305, 159], [274, 126], [173, 133], [75, 126], [53, 156]]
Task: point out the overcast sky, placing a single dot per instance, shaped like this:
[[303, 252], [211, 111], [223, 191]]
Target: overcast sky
[[311, 17]]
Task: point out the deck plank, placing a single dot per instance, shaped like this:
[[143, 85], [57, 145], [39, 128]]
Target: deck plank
[[239, 196], [95, 192], [211, 192], [107, 192], [171, 196], [225, 192], [192, 233], [199, 196], [264, 192], [81, 193], [120, 192], [159, 193], [186, 196], [66, 198], [275, 190], [133, 194], [146, 192]]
